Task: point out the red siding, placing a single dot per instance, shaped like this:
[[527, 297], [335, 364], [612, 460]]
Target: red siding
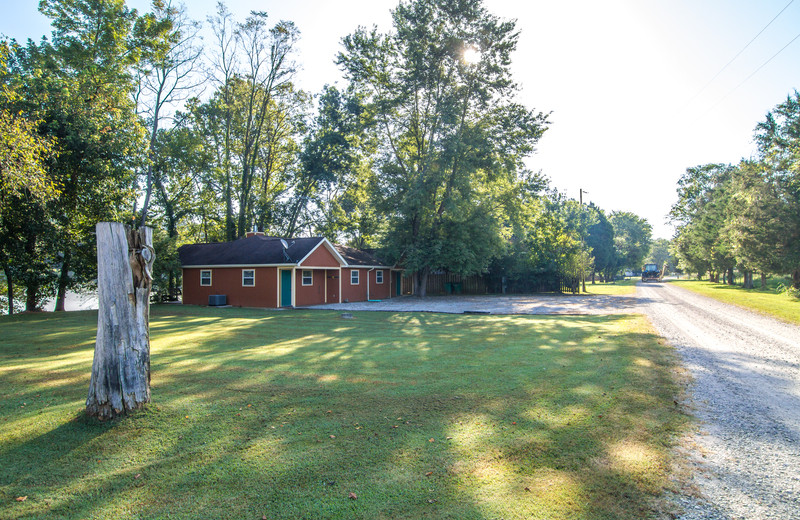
[[380, 291], [309, 294], [333, 286], [354, 293], [320, 257], [228, 281]]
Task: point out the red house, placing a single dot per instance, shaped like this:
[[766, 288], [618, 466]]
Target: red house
[[261, 271]]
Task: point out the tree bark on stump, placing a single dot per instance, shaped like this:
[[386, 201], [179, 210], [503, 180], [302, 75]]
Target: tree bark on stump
[[121, 367]]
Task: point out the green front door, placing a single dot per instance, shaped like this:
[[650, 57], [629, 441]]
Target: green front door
[[286, 288], [399, 283]]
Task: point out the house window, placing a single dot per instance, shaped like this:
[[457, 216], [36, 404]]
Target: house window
[[308, 277], [205, 278], [248, 277], [379, 276], [354, 277]]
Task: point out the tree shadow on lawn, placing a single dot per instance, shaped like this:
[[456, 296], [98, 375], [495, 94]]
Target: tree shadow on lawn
[[419, 415]]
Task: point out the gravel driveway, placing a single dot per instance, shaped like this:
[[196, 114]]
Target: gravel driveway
[[746, 393], [498, 304]]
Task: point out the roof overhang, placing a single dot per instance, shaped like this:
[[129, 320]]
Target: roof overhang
[[217, 266]]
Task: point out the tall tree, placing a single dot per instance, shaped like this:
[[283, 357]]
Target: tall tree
[[78, 86], [225, 64], [778, 139], [168, 77], [762, 223], [24, 181], [267, 75], [451, 137], [253, 119], [332, 194], [600, 238], [632, 238], [700, 214]]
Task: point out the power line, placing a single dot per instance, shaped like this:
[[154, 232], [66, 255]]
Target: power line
[[740, 52], [753, 74]]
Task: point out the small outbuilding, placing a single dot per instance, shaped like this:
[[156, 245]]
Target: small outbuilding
[[262, 271]]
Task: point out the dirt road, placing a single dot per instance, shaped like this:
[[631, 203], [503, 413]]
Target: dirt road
[[746, 392]]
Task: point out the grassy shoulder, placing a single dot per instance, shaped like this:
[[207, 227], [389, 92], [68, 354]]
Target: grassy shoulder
[[767, 301], [286, 414]]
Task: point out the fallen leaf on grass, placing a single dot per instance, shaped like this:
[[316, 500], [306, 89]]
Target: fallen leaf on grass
[[431, 500], [352, 496], [137, 476], [22, 499], [428, 474], [333, 436], [431, 440]]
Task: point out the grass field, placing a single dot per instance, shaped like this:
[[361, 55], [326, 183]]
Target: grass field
[[766, 301], [286, 414]]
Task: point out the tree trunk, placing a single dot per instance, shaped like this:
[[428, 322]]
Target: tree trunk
[[31, 296], [121, 367], [731, 279], [796, 278], [421, 283], [763, 280], [748, 280], [63, 279], [10, 287]]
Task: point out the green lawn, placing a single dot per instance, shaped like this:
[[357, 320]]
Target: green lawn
[[285, 414], [767, 301]]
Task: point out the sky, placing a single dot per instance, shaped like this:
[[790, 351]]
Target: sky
[[637, 91]]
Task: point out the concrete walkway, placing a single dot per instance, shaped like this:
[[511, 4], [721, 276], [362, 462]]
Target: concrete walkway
[[498, 304]]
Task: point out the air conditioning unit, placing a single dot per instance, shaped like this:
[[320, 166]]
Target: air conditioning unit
[[216, 300]]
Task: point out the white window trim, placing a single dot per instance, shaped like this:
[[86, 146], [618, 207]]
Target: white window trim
[[303, 277], [358, 276], [210, 279], [377, 272], [254, 277]]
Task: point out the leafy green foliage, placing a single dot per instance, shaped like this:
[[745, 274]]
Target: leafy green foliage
[[451, 140], [600, 239], [660, 254], [745, 216], [632, 238], [77, 87]]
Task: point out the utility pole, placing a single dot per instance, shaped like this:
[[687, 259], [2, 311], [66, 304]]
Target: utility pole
[[581, 191]]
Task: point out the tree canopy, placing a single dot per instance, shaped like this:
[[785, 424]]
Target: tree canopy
[[129, 116]]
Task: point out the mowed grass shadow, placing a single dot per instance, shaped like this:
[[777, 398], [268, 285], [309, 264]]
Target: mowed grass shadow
[[285, 414]]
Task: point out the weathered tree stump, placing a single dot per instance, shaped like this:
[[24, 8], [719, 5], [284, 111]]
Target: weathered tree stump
[[121, 368]]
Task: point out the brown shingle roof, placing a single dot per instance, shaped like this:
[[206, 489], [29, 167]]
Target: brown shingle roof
[[359, 257], [252, 250]]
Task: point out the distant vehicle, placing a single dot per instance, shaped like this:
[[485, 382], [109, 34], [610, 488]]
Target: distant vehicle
[[651, 273], [628, 273]]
